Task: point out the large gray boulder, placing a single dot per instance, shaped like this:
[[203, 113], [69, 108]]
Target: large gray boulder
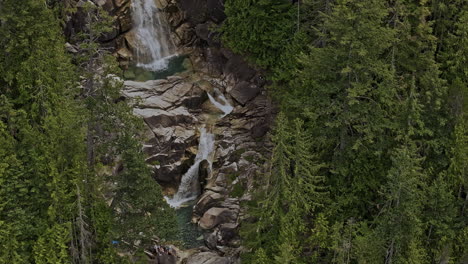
[[209, 199], [215, 216], [207, 258], [244, 92]]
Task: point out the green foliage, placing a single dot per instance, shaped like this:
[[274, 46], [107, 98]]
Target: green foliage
[[39, 125], [292, 191], [260, 29], [138, 210], [141, 210], [381, 89], [400, 223], [238, 190], [51, 247], [53, 206]]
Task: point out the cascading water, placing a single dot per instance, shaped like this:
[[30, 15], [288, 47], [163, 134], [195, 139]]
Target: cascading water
[[224, 106], [154, 47], [189, 187]]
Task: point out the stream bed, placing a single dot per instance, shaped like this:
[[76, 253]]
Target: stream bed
[[176, 64], [190, 234]]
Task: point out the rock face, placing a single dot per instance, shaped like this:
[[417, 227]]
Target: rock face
[[214, 216], [174, 108], [244, 92], [207, 258], [162, 106], [173, 139]]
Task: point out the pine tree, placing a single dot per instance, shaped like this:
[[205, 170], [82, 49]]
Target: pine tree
[[348, 90], [399, 222], [260, 29], [40, 125], [112, 139], [293, 192]]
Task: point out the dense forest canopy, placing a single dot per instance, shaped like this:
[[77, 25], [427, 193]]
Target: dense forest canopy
[[369, 162], [62, 130], [370, 158]]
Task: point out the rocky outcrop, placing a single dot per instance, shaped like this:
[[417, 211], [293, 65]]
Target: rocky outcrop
[[244, 92], [174, 108], [216, 215], [207, 258], [173, 139], [171, 121]]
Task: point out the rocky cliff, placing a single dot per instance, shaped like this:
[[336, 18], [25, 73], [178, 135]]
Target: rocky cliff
[[174, 108]]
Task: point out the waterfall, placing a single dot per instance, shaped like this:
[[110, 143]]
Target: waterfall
[[154, 45], [189, 187], [224, 105]]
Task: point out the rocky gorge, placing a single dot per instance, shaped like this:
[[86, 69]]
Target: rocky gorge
[[177, 107]]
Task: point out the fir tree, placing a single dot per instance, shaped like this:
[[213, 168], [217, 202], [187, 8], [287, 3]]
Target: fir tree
[[259, 29]]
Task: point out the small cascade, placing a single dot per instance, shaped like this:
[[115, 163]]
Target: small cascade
[[189, 187], [223, 105], [155, 47]]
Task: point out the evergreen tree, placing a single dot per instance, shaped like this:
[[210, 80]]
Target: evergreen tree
[[40, 123], [53, 208], [112, 140], [399, 222], [293, 191], [349, 92], [260, 29]]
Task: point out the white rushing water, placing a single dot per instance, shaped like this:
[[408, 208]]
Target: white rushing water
[[154, 47], [223, 105], [189, 187]]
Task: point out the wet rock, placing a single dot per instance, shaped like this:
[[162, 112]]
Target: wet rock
[[146, 88], [184, 35], [227, 232], [214, 216], [215, 10], [209, 199], [157, 118], [207, 32], [194, 102], [244, 92], [171, 173], [239, 68], [204, 171], [176, 92], [195, 10], [211, 240], [218, 189], [130, 40], [165, 259], [215, 61], [120, 3], [259, 130], [125, 21], [229, 169], [203, 31], [124, 53], [175, 17]]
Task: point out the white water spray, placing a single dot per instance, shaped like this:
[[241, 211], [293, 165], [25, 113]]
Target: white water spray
[[154, 47], [189, 187], [223, 105]]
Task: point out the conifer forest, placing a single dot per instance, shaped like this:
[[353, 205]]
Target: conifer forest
[[234, 131]]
